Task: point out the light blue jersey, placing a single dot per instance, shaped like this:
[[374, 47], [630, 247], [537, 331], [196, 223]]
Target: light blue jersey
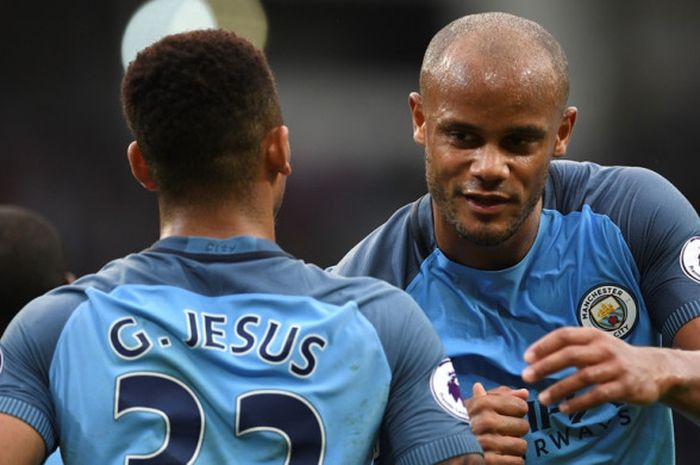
[[54, 459], [617, 249], [202, 351]]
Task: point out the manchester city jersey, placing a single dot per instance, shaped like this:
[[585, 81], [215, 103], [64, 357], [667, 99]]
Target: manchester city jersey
[[611, 253], [202, 351]]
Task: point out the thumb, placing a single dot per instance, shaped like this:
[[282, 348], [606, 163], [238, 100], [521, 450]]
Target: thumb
[[478, 390]]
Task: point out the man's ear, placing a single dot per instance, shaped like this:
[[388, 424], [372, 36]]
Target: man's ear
[[415, 101], [139, 168], [566, 127], [277, 151]]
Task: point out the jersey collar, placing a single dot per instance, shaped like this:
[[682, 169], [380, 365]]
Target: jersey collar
[[211, 248]]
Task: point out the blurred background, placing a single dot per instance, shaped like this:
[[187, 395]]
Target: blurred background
[[344, 70]]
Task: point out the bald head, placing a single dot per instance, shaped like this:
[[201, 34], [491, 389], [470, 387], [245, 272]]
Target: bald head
[[493, 48]]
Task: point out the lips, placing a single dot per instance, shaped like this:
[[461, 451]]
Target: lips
[[486, 203]]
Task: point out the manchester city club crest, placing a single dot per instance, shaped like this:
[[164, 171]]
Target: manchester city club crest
[[690, 258], [610, 308]]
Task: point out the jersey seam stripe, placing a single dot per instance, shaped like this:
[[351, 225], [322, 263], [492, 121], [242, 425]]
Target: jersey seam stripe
[[426, 263], [678, 318], [422, 244], [440, 450]]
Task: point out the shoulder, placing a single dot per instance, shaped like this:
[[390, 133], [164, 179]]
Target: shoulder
[[607, 189], [43, 318], [592, 174], [644, 205], [41, 322], [638, 200]]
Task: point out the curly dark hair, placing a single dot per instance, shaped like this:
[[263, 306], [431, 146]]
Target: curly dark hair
[[198, 104]]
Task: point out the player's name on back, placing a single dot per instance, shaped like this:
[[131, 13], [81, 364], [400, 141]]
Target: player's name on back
[[271, 341]]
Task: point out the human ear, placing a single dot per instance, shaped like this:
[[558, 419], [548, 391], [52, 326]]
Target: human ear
[[139, 167], [566, 127], [277, 150], [415, 102]]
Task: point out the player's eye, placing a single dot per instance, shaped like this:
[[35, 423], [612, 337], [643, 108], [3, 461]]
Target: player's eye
[[464, 139], [521, 143]]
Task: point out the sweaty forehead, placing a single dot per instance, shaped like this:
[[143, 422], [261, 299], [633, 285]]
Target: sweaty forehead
[[507, 64]]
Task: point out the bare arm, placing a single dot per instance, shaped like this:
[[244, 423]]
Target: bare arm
[[20, 444], [684, 394], [617, 371]]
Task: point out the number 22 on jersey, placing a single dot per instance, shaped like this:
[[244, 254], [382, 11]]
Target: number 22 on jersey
[[281, 412]]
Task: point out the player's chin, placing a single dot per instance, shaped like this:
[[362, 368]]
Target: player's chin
[[482, 231], [483, 234]]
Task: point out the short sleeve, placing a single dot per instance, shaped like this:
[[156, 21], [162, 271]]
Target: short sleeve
[[425, 420], [26, 349]]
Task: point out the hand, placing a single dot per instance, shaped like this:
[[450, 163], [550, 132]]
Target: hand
[[614, 370], [498, 422]]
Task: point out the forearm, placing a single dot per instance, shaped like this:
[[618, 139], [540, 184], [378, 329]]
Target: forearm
[[681, 368], [680, 381]]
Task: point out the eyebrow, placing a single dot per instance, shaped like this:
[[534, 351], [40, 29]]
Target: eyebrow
[[526, 130], [452, 125], [529, 130]]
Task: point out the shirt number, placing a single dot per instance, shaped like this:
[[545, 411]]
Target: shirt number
[[281, 412]]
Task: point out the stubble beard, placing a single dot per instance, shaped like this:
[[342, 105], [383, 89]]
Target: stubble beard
[[480, 234]]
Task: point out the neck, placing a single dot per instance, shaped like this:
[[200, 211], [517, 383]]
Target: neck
[[487, 257], [219, 221]]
